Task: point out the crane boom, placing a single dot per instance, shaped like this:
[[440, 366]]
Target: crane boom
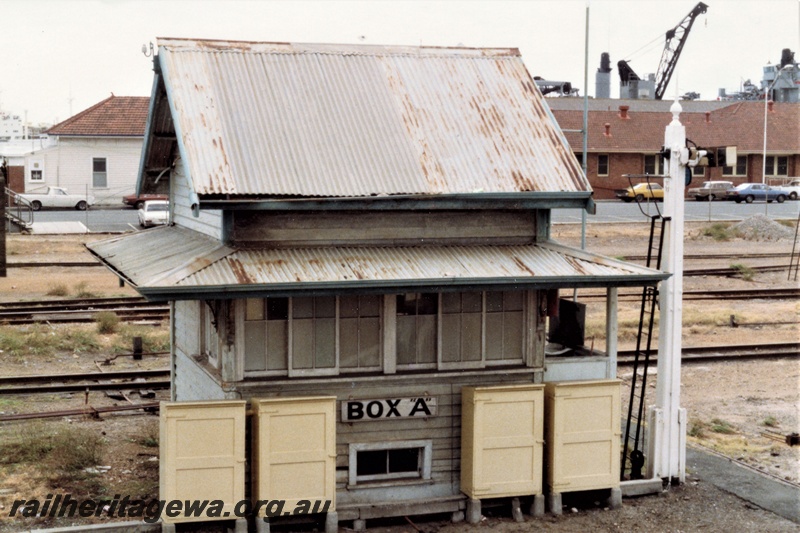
[[669, 58]]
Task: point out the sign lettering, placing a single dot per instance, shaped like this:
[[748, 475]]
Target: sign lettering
[[388, 409]]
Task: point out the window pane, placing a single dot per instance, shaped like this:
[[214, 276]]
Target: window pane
[[494, 302], [426, 339], [404, 460], [369, 305], [451, 302], [451, 338], [325, 343], [277, 308], [770, 166], [512, 335], [325, 307], [406, 340], [348, 342], [98, 164], [302, 307], [512, 300], [471, 337], [277, 344], [348, 306], [741, 165], [370, 342], [494, 336], [471, 302], [254, 342], [254, 309], [783, 166], [428, 303], [371, 463], [302, 343]]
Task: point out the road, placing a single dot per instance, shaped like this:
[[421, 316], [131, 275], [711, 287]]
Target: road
[[125, 219]]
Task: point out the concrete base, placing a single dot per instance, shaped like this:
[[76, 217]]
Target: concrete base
[[332, 522], [262, 525], [359, 525], [457, 517], [554, 503], [615, 499], [516, 512], [640, 487], [473, 511], [537, 507], [167, 528]]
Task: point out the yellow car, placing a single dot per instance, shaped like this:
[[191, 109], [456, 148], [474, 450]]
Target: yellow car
[[641, 191]]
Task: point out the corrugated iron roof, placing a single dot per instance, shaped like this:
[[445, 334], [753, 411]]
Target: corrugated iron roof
[[192, 264], [272, 119]]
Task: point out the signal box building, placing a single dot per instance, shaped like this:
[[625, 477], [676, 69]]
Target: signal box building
[[369, 227]]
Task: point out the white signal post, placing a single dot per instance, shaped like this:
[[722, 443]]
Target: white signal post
[[667, 420]]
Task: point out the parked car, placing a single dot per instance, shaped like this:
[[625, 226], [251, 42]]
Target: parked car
[[56, 197], [749, 192], [153, 213], [641, 191], [138, 200], [710, 190], [792, 189]]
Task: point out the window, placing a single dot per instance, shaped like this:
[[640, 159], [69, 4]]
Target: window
[[579, 158], [740, 170], [602, 165], [266, 333], [777, 165], [652, 165], [360, 332], [312, 335], [36, 171], [347, 334], [209, 345], [99, 174], [698, 171], [386, 461], [416, 328]]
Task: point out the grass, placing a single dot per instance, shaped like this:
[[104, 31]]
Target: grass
[[771, 422], [153, 340], [721, 426], [57, 289], [40, 339], [82, 291], [107, 322], [744, 271], [718, 231]]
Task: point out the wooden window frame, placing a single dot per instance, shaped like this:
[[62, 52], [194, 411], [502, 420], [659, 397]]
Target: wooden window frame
[[423, 473], [734, 171], [606, 164]]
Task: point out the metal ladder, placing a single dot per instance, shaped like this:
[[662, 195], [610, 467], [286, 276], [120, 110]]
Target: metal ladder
[[632, 455], [18, 210]]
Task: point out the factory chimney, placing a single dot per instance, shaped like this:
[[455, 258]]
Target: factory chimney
[[602, 79]]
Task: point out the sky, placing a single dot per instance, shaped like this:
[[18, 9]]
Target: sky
[[59, 57]]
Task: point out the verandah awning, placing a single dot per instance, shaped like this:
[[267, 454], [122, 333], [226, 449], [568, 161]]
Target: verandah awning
[[173, 263]]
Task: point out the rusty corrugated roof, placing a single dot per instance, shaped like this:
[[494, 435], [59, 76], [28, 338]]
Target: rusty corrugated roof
[[267, 119], [190, 264]]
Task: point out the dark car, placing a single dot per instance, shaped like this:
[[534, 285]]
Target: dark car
[[137, 200], [749, 192]]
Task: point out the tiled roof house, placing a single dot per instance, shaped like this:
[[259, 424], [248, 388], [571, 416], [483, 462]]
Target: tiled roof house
[[96, 151], [625, 137]]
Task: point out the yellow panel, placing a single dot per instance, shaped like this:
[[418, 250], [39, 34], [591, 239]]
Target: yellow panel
[[583, 434], [201, 455], [294, 449], [501, 440]]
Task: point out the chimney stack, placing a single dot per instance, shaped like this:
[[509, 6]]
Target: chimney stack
[[708, 117], [623, 112], [770, 105], [608, 130]]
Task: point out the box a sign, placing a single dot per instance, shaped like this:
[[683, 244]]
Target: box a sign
[[388, 409]]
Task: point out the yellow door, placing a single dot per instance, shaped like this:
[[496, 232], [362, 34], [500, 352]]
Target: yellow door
[[502, 446], [294, 454], [202, 455]]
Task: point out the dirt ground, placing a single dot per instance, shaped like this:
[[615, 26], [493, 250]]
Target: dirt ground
[[731, 406]]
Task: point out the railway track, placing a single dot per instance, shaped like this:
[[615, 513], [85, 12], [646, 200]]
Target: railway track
[[80, 382], [736, 352], [81, 310], [139, 309]]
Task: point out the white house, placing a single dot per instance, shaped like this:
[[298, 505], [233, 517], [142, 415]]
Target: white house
[[95, 152]]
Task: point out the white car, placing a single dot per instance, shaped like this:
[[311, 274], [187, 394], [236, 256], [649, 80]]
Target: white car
[[154, 212], [56, 197], [792, 189]]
